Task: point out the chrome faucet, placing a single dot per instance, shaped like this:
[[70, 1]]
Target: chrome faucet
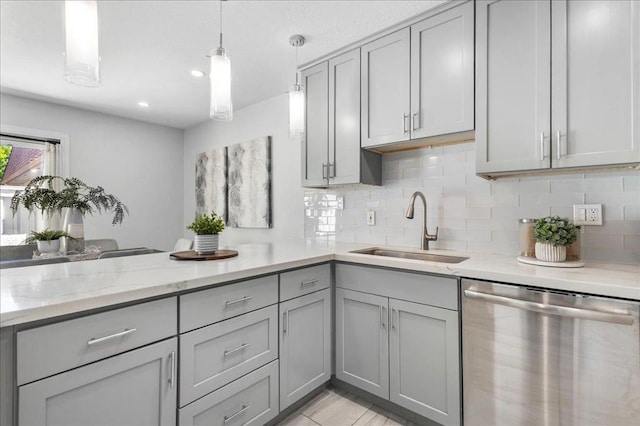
[[425, 236]]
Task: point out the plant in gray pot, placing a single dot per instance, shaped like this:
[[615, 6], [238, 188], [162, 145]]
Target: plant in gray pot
[[48, 241], [553, 234], [53, 194], [206, 227]]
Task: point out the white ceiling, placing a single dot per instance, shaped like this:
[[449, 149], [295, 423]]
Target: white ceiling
[[148, 49]]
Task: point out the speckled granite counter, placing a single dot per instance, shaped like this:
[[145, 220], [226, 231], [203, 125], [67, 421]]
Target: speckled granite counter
[[39, 292]]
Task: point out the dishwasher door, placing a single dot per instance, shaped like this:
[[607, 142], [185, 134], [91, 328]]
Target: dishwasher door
[[536, 357]]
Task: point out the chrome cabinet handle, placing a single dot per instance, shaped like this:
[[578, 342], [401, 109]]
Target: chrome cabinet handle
[[393, 324], [237, 413], [285, 322], [324, 171], [543, 308], [380, 312], [172, 376], [310, 282], [541, 146], [414, 117], [95, 341], [384, 314], [331, 170], [404, 123], [242, 300], [234, 350], [558, 147]]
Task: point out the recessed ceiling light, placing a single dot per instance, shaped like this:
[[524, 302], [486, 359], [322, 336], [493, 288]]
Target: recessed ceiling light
[[197, 73], [143, 104]]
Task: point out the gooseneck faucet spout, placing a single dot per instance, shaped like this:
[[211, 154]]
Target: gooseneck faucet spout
[[424, 236]]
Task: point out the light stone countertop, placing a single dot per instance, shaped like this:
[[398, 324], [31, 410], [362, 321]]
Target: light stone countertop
[[46, 291]]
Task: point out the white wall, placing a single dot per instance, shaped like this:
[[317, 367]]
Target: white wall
[[140, 163], [474, 214], [268, 118]]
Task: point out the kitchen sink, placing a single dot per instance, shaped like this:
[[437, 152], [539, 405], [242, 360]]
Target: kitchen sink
[[430, 257]]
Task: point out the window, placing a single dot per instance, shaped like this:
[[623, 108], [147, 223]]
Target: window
[[22, 159]]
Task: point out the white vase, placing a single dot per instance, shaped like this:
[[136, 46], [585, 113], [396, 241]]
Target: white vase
[[550, 253], [73, 224], [205, 244], [52, 246]]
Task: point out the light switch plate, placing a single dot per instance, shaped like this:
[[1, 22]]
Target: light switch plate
[[371, 218], [587, 214]]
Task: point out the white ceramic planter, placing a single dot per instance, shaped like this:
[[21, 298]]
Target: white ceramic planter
[[205, 244], [550, 253], [52, 246]]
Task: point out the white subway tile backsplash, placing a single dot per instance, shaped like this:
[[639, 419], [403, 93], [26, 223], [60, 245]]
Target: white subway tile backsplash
[[474, 214]]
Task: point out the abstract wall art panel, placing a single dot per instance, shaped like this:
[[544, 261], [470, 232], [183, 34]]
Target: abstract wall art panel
[[249, 184], [211, 182]]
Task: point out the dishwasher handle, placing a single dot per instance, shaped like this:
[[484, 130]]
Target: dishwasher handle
[[543, 308]]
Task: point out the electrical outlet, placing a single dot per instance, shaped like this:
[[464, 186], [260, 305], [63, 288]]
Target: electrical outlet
[[371, 218], [587, 214]]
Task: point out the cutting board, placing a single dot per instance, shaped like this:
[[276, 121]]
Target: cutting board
[[192, 255]]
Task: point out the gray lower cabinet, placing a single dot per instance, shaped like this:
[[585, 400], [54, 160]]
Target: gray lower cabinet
[[134, 388], [403, 351], [250, 400], [305, 345]]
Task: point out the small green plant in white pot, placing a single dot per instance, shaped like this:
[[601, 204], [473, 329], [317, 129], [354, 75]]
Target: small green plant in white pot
[[47, 241], [206, 227], [553, 234]]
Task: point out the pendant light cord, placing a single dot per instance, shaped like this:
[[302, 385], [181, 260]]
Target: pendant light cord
[[220, 14], [297, 83]]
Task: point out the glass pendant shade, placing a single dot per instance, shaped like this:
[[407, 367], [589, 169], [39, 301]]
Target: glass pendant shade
[[220, 80], [296, 111], [82, 58]]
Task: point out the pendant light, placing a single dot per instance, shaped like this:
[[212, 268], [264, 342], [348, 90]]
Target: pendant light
[[296, 97], [82, 59], [221, 107]]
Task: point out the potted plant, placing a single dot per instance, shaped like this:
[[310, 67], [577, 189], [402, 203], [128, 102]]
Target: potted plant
[[48, 241], [553, 234], [51, 194], [206, 227]]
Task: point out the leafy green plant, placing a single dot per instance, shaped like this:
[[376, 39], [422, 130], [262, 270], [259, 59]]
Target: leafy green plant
[[554, 230], [40, 194], [5, 153], [46, 235], [207, 224]]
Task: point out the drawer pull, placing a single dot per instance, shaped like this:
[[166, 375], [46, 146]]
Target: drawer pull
[[310, 282], [172, 377], [234, 302], [94, 341], [244, 408], [239, 348]]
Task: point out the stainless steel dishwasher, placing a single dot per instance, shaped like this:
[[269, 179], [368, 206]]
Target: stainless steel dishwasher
[[536, 357]]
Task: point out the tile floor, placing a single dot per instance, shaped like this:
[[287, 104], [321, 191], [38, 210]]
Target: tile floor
[[335, 407]]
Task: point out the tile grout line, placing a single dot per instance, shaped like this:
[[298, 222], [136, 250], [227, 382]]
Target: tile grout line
[[311, 420], [366, 411]]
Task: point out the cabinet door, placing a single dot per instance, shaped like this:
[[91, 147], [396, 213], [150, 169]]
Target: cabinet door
[[305, 345], [424, 360], [362, 341], [385, 89], [442, 73], [596, 82], [344, 118], [135, 388], [512, 85], [315, 143]]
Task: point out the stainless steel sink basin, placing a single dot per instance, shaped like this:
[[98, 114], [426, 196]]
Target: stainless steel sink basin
[[430, 257]]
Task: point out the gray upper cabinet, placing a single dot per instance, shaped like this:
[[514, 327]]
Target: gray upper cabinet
[[331, 149], [305, 345], [385, 89], [595, 76], [558, 84], [442, 73], [419, 333], [315, 150], [512, 85], [134, 388]]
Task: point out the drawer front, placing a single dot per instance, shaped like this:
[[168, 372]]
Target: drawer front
[[50, 349], [420, 288], [213, 356], [303, 281], [209, 306], [250, 400]]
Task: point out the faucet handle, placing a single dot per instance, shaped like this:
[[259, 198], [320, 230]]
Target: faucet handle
[[434, 237]]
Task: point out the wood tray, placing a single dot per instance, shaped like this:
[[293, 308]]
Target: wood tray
[[192, 255]]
